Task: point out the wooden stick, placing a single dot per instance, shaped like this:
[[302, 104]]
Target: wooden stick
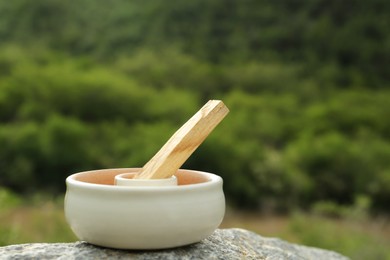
[[184, 142]]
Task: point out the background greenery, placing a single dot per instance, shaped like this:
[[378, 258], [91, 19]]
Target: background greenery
[[100, 84]]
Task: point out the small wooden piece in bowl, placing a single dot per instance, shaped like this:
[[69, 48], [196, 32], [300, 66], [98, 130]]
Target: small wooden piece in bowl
[[184, 142]]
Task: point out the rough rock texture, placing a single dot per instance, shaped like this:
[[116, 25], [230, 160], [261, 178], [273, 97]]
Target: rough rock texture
[[223, 244]]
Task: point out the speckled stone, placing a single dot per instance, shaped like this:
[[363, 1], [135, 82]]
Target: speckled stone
[[223, 244]]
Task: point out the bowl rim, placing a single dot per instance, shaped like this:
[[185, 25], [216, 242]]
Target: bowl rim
[[71, 181]]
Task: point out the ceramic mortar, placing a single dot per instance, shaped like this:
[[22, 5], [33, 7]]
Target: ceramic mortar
[[143, 217]]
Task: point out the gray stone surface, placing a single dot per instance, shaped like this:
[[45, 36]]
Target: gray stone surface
[[223, 244]]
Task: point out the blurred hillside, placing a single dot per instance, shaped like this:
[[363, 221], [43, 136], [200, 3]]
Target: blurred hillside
[[98, 84]]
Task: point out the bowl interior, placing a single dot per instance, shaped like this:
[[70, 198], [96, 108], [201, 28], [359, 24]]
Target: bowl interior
[[107, 177]]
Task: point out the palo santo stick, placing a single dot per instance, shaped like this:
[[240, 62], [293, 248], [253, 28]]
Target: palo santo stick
[[184, 142]]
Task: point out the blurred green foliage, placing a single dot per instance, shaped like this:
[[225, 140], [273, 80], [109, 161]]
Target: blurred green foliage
[[348, 236], [86, 85]]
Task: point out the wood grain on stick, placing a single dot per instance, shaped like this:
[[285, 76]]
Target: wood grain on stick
[[184, 142]]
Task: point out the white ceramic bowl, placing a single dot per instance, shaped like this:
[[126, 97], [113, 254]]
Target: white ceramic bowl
[[138, 217]]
